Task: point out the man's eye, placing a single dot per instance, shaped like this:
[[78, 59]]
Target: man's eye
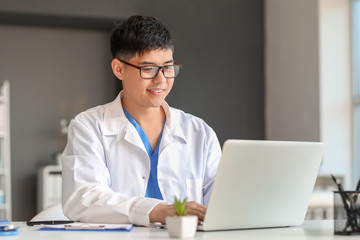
[[148, 69], [170, 67]]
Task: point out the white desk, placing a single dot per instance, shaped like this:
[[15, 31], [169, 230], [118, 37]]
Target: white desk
[[322, 229]]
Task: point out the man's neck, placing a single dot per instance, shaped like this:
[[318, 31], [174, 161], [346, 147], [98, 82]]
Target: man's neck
[[151, 121], [146, 117]]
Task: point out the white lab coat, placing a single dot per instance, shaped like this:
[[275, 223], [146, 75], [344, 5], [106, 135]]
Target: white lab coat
[[106, 166]]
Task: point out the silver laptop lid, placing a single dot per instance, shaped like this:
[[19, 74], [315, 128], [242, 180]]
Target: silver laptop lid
[[263, 184]]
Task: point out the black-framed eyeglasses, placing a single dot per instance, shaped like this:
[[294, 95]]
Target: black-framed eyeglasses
[[150, 72]]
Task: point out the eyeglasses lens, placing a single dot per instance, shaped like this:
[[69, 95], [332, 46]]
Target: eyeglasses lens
[[169, 71]]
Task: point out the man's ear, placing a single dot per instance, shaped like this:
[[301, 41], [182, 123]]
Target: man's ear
[[117, 68]]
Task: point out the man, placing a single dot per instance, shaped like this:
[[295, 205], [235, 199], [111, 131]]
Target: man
[[126, 161]]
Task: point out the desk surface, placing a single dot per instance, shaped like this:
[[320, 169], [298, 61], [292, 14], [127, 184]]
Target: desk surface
[[309, 230]]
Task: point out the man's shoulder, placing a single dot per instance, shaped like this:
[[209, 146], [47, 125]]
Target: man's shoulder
[[181, 114], [185, 119], [93, 113]]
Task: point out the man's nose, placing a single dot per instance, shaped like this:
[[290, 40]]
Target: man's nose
[[160, 77]]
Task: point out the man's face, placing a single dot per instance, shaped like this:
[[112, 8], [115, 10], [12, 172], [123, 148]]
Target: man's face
[[142, 93]]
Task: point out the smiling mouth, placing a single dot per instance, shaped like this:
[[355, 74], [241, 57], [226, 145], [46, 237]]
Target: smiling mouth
[[156, 90]]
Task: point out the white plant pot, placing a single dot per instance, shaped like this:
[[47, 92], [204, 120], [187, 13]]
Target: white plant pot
[[181, 227]]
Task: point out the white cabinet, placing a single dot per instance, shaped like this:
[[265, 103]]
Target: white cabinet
[[49, 187], [5, 171]]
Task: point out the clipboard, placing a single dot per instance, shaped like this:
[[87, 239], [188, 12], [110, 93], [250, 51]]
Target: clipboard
[[3, 232], [78, 226]]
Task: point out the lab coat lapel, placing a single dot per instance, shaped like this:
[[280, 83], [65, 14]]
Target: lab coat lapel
[[116, 123], [172, 130], [114, 119]]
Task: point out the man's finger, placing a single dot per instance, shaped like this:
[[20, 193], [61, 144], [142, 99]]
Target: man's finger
[[200, 215], [195, 205]]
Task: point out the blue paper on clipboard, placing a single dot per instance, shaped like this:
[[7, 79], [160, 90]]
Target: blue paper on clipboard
[[3, 226], [78, 226]]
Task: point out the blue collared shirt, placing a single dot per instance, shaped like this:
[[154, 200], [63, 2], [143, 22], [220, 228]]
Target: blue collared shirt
[[153, 190]]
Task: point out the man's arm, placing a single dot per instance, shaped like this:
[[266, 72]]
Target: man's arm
[[86, 193], [213, 156]]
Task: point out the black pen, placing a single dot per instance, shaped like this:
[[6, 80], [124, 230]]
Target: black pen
[[53, 222], [338, 184], [356, 194], [358, 186]]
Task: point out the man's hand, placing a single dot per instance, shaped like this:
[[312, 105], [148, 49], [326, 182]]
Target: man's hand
[[161, 211]]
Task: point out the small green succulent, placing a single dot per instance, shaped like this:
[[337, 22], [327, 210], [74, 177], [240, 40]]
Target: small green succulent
[[180, 207]]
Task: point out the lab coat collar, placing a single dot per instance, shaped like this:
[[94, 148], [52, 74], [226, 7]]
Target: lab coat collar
[[115, 121]]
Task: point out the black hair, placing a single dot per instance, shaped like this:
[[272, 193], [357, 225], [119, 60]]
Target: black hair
[[139, 34]]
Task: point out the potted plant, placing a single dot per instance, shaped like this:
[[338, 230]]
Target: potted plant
[[180, 225]]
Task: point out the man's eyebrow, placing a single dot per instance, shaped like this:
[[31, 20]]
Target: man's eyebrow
[[151, 63]]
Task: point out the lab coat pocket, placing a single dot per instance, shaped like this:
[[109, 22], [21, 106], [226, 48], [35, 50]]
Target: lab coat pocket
[[194, 190]]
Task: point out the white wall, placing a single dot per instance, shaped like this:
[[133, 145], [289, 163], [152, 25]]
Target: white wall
[[308, 95]]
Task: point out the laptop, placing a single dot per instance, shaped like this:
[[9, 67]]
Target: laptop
[[263, 184]]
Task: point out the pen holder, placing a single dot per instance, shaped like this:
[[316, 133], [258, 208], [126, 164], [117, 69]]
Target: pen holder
[[346, 212]]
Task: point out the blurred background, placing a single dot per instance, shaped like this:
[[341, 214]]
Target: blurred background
[[252, 69]]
